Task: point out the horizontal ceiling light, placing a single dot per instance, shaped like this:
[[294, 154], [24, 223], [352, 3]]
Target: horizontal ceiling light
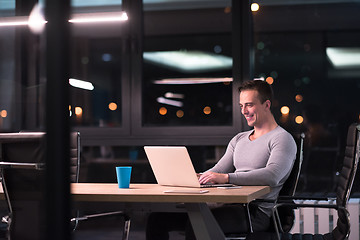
[[174, 95], [192, 80], [342, 58], [99, 17], [13, 21], [81, 84], [169, 102], [189, 61], [76, 18]]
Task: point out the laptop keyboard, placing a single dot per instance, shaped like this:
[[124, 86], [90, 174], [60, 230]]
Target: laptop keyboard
[[216, 185]]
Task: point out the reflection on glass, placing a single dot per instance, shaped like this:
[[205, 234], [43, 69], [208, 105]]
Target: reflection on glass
[[96, 81], [8, 87], [315, 70], [189, 61], [342, 58], [193, 83], [202, 104]]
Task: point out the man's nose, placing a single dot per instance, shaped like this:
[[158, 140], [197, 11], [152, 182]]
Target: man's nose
[[244, 110]]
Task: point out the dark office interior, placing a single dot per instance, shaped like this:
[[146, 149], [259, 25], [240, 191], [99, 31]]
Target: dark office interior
[[169, 74]]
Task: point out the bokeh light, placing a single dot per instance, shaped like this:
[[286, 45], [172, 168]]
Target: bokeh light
[[163, 111], [285, 110], [255, 7], [3, 113], [78, 111], [299, 119], [269, 80], [179, 113], [227, 10], [207, 110], [112, 106], [299, 98]]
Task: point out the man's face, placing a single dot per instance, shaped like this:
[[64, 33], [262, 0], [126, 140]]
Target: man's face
[[253, 110]]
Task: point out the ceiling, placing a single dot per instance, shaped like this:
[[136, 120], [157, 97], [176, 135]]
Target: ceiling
[[150, 5]]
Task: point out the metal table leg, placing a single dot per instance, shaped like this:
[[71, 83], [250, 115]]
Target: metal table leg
[[204, 224]]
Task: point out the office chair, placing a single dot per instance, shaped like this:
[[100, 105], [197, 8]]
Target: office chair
[[283, 217], [343, 190], [23, 182], [23, 192], [74, 176]]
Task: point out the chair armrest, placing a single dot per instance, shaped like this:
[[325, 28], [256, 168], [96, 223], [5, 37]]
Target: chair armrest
[[37, 166], [305, 198], [106, 214], [260, 200], [306, 205]]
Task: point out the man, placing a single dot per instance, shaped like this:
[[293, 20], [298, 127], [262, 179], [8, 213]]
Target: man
[[262, 156]]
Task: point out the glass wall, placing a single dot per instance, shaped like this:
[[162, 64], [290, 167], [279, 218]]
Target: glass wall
[[8, 108], [13, 85], [310, 55], [165, 75], [97, 62], [187, 66]]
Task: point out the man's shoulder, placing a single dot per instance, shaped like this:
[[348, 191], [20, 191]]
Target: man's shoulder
[[280, 134], [281, 131]]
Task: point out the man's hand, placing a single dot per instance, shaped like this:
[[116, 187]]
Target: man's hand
[[213, 177]]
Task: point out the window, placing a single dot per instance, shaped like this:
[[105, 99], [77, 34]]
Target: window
[[187, 80], [304, 52]]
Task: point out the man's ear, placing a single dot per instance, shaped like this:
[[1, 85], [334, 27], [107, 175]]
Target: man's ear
[[268, 104]]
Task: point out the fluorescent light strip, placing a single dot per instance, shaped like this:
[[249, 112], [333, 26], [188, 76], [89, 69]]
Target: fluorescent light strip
[[77, 18], [342, 57], [81, 84], [174, 95], [192, 80], [14, 21], [169, 102], [99, 17], [189, 61]]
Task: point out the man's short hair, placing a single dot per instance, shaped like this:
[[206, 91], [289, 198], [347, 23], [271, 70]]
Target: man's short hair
[[262, 87]]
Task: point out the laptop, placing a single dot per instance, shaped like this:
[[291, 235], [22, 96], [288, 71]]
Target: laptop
[[172, 166]]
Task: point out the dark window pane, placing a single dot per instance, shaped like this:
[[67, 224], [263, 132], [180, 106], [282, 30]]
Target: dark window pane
[[310, 54], [187, 81]]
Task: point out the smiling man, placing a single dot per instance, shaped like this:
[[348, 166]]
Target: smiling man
[[261, 156], [255, 102]]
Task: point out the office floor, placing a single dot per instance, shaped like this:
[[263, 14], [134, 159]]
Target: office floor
[[111, 229], [115, 234]]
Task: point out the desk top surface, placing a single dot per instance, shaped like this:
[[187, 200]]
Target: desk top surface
[[109, 192]]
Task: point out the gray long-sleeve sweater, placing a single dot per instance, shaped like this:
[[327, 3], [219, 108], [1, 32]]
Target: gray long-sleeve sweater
[[267, 160]]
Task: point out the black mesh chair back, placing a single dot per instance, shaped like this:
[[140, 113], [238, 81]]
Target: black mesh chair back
[[23, 179], [22, 174], [291, 183], [344, 186], [346, 179], [74, 156], [22, 162], [284, 216]]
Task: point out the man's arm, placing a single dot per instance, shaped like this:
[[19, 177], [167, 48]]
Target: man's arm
[[218, 173], [213, 177], [279, 164]]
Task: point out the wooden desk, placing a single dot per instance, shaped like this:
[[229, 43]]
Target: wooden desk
[[202, 220], [109, 192]]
